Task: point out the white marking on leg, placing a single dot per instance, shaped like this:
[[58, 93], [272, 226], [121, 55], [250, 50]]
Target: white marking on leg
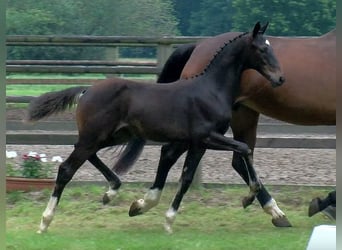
[[151, 199], [170, 216], [272, 208], [48, 215], [111, 193]]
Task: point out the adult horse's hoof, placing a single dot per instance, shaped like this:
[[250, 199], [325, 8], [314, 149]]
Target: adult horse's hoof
[[330, 212], [248, 200], [135, 209], [281, 222], [314, 207]]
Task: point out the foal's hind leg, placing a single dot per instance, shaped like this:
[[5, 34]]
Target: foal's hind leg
[[113, 180], [65, 173], [220, 142], [168, 156]]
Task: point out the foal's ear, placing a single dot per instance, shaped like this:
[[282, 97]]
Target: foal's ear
[[256, 29], [263, 28]]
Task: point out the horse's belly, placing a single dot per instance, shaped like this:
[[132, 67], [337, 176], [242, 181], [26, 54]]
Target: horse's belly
[[301, 114]]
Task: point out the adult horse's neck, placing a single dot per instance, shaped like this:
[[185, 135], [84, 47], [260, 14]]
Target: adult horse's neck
[[225, 69]]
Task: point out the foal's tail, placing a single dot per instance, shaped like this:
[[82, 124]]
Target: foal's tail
[[129, 156], [53, 102]]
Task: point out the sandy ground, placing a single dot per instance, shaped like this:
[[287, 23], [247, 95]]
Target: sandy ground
[[274, 166]]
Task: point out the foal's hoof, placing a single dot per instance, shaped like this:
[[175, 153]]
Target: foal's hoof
[[246, 201], [105, 199], [281, 222], [314, 207], [135, 209]]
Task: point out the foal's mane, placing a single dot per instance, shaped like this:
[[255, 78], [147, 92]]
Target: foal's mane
[[219, 51]]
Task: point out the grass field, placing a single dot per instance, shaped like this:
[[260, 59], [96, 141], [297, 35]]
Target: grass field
[[37, 89], [210, 218]]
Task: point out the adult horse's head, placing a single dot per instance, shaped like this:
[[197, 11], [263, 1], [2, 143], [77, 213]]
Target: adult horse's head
[[261, 57]]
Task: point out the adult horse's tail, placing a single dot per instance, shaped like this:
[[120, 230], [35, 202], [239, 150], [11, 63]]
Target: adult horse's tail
[[53, 102]]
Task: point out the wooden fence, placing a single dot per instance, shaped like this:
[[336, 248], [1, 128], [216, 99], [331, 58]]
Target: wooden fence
[[164, 46], [270, 135], [19, 134]]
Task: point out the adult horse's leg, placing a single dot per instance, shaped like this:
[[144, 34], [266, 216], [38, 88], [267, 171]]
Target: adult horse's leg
[[169, 155], [65, 173], [191, 162], [319, 205], [113, 180], [244, 126]]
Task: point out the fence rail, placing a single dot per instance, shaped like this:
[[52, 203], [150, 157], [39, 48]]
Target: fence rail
[[163, 45], [51, 40], [272, 135]]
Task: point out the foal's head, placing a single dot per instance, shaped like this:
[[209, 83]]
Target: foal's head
[[260, 56]]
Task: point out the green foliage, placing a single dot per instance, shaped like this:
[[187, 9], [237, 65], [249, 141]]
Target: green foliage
[[213, 18], [82, 17], [184, 10], [31, 167], [287, 18], [11, 170]]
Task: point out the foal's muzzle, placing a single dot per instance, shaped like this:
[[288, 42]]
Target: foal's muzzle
[[278, 82]]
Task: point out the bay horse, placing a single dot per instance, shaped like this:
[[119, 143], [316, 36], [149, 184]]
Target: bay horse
[[193, 114], [307, 98]]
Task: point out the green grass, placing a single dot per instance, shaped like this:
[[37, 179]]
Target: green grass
[[38, 89], [53, 76], [209, 218], [34, 89]]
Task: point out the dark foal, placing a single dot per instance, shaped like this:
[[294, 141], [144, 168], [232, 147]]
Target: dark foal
[[307, 98], [191, 114]]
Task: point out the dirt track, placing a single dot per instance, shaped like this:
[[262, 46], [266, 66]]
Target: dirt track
[[274, 166]]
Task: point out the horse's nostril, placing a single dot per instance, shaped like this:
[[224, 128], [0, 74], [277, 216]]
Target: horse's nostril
[[281, 79]]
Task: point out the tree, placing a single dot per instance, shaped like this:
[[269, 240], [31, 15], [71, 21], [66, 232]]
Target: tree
[[184, 10], [212, 18], [83, 17], [286, 17]]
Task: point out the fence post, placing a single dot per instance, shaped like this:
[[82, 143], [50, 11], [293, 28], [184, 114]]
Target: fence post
[[163, 53]]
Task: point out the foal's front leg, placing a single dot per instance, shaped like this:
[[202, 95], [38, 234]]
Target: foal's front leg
[[170, 153], [191, 162]]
